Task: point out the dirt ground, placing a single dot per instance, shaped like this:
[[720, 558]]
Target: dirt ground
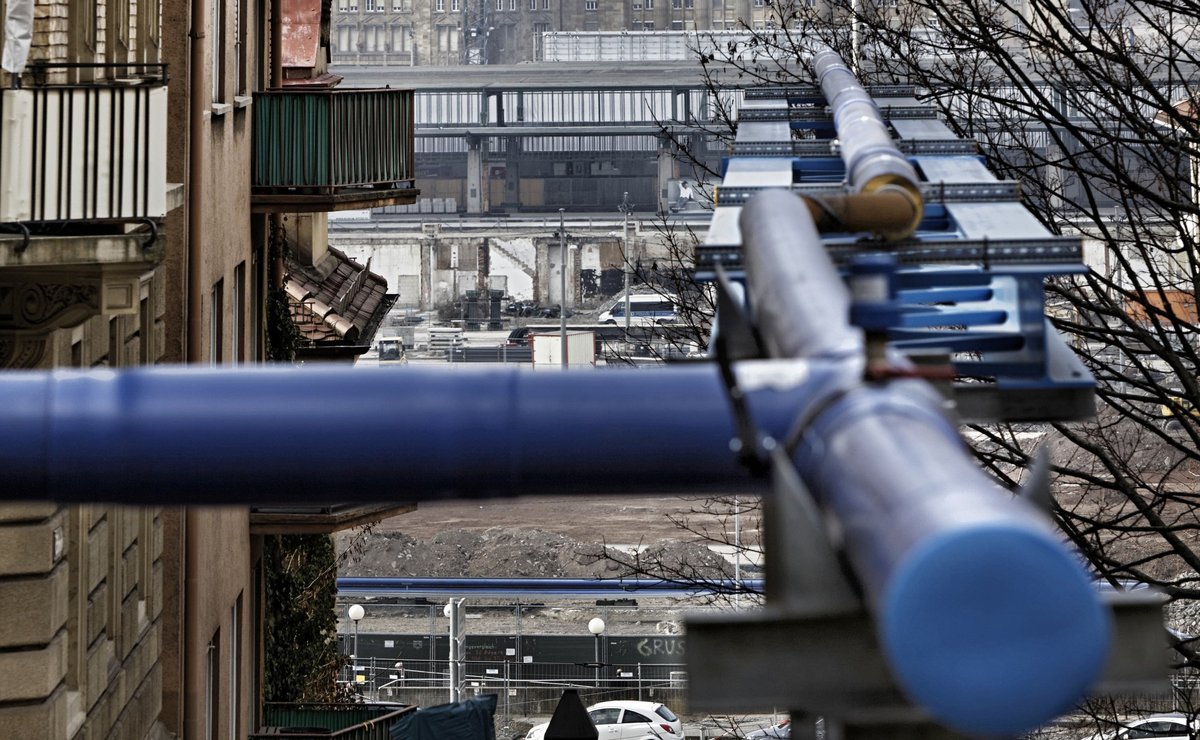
[[548, 536], [620, 519]]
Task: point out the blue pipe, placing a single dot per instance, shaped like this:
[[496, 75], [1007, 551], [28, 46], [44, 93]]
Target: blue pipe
[[271, 435], [986, 619], [590, 587]]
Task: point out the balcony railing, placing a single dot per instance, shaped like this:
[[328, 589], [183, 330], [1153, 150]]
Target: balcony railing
[[76, 151], [320, 142], [343, 721]]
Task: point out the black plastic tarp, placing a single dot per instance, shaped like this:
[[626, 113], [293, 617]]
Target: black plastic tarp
[[465, 720]]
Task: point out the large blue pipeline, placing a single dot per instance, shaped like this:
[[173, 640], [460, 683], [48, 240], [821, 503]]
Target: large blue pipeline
[[262, 436], [538, 587]]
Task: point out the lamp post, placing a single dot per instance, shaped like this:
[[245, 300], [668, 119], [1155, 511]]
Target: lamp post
[[562, 295], [596, 627], [355, 612], [625, 207]]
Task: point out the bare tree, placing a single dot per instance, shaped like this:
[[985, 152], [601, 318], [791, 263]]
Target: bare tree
[[1093, 107]]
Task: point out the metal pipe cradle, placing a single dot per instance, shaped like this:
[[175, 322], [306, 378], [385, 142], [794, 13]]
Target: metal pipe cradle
[[985, 618]]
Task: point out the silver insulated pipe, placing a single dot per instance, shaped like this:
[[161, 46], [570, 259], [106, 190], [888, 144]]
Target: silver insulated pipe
[[873, 163]]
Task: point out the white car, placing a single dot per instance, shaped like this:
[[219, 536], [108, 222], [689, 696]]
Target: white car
[[1172, 726], [627, 720]]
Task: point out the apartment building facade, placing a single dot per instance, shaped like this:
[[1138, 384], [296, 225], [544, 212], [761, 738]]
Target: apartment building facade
[[450, 32], [135, 230]]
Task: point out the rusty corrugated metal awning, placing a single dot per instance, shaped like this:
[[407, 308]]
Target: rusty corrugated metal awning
[[301, 32]]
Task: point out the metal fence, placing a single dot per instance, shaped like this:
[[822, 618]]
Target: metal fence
[[524, 688]]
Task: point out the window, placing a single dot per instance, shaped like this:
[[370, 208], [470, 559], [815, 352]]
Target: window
[[235, 630], [533, 4], [217, 49], [83, 29], [216, 320], [512, 4], [499, 4], [648, 25], [454, 6], [631, 717], [545, 4], [606, 716], [676, 4], [649, 4], [440, 6], [148, 30], [237, 325], [116, 43], [212, 683], [115, 342], [591, 4], [256, 312], [676, 25], [145, 327], [241, 63]]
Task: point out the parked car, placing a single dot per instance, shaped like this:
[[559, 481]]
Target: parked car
[[519, 337], [645, 309], [1169, 726], [627, 720], [781, 731]]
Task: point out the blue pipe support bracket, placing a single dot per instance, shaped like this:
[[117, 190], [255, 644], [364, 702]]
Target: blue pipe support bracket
[[263, 435], [985, 618]]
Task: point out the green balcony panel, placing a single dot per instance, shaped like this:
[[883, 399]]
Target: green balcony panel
[[320, 141], [340, 721]]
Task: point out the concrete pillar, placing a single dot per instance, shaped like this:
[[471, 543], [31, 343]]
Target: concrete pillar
[[667, 170], [308, 235], [512, 174], [477, 194]]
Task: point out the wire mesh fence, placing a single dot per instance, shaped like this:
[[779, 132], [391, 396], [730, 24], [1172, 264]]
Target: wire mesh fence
[[524, 689]]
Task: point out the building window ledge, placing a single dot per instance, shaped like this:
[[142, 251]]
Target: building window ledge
[[220, 109]]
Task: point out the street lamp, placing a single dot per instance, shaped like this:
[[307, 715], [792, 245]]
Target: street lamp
[[596, 627], [562, 295], [625, 208], [355, 612]]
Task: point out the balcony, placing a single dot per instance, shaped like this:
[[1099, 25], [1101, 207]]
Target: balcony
[[321, 519], [330, 150], [343, 721], [83, 191]]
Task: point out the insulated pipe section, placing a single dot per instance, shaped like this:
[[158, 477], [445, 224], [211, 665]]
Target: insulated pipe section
[[873, 163], [312, 436], [986, 620], [800, 303], [877, 212]]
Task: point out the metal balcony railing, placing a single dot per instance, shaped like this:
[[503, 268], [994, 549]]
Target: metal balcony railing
[[324, 140], [91, 150], [343, 721]]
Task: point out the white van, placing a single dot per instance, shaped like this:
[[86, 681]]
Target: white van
[[645, 309]]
